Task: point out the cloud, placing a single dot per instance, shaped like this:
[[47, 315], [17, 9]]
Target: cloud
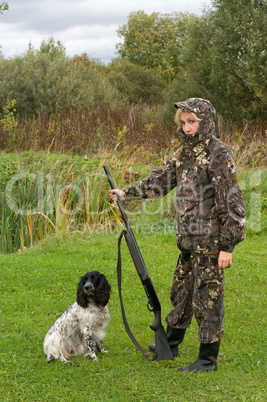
[[47, 15], [83, 26], [97, 41]]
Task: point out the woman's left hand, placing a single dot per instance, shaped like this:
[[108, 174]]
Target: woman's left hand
[[224, 260]]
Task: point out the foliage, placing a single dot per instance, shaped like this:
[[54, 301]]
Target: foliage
[[220, 56], [136, 83], [9, 122], [241, 42], [47, 82], [3, 7], [228, 64], [37, 285], [193, 80], [154, 41], [52, 48]]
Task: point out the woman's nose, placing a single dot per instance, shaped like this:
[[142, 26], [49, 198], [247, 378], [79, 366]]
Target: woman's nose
[[186, 127]]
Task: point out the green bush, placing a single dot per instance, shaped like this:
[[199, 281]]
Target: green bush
[[136, 83], [42, 84]]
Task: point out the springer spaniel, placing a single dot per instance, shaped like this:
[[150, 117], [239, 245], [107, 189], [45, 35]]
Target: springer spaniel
[[79, 329]]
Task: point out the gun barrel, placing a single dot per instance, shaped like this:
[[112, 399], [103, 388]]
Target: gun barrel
[[136, 256], [113, 186], [162, 345], [129, 236]]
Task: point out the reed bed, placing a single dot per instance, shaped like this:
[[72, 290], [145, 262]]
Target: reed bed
[[58, 197]]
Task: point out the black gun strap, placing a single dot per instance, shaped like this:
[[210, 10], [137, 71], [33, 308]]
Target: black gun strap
[[125, 322]]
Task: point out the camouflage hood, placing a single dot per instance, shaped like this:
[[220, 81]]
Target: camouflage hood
[[204, 111]]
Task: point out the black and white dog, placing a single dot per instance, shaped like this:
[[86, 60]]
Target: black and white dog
[[79, 329]]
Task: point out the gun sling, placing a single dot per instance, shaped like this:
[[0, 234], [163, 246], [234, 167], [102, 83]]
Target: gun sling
[[125, 322]]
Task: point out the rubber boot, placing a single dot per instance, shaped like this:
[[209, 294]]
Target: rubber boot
[[207, 358], [175, 337]]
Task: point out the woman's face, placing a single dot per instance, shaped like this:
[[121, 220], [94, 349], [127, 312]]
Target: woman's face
[[188, 123]]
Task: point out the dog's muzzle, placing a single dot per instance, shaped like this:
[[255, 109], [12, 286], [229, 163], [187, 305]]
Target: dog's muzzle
[[89, 289]]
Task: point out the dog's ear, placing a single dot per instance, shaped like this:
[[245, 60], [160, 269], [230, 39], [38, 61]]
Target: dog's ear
[[102, 293], [81, 297]]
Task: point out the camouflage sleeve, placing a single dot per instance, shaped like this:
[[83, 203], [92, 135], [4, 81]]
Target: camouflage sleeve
[[228, 199], [157, 184]]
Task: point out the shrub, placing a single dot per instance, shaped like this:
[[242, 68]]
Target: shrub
[[44, 85]]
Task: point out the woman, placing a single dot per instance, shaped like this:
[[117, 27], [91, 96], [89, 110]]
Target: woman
[[210, 217]]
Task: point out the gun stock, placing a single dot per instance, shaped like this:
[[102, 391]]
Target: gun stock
[[153, 304]]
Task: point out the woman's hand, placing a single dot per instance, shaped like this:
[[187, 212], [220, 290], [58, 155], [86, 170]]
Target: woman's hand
[[115, 193], [224, 260]]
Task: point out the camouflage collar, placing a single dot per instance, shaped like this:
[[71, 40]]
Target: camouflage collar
[[195, 148]]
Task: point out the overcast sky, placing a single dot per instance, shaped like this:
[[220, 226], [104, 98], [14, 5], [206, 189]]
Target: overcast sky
[[82, 26]]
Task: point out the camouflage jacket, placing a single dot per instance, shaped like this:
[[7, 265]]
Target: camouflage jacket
[[210, 212]]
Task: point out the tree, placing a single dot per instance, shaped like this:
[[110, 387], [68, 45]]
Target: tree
[[154, 41], [3, 7], [240, 42], [54, 49], [136, 82], [44, 85], [224, 59]]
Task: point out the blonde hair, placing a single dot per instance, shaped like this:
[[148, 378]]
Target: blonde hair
[[178, 120]]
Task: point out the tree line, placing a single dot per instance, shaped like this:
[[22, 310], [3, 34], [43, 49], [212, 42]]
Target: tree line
[[162, 58]]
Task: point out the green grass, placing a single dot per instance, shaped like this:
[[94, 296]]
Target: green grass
[[38, 284]]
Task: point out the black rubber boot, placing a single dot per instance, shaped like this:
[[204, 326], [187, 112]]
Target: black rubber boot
[[175, 337], [207, 358]]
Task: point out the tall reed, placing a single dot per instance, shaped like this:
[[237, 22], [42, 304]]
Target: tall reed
[[60, 199]]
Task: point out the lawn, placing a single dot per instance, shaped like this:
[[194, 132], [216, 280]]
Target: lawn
[[39, 283]]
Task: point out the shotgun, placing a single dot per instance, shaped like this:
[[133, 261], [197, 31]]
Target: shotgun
[[162, 346]]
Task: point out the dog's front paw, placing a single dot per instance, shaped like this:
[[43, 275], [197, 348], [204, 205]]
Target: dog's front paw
[[91, 356], [100, 347], [64, 360], [94, 358]]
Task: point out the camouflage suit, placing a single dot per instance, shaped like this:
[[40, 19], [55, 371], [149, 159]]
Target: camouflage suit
[[209, 217]]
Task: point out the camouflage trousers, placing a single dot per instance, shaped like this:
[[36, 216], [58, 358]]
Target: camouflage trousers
[[197, 289]]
